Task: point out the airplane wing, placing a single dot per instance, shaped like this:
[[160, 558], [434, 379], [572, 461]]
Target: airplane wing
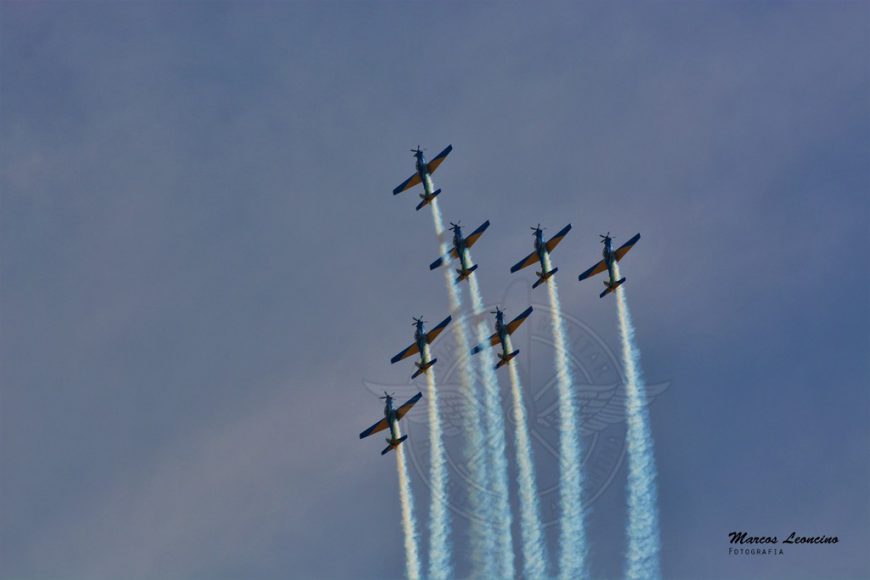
[[437, 263], [596, 269], [411, 350], [408, 183], [515, 323], [554, 241], [492, 341], [433, 165], [624, 248], [525, 262], [433, 334], [473, 236], [379, 426], [401, 411]]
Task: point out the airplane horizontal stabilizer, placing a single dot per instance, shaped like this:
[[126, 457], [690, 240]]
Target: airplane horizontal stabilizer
[[463, 274], [427, 199], [544, 277], [423, 368], [393, 444], [611, 288], [506, 359]]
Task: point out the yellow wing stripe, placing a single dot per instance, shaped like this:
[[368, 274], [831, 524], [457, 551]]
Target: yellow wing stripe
[[514, 325], [433, 165], [525, 262], [623, 250], [403, 410], [554, 241], [407, 184], [433, 334], [596, 269], [411, 350], [377, 427]]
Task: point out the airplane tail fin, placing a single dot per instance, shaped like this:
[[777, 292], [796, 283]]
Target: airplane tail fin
[[427, 199], [463, 274], [543, 277], [611, 287], [393, 443], [422, 368], [506, 358]]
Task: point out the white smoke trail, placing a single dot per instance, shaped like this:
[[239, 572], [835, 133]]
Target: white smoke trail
[[496, 440], [534, 548], [439, 517], [481, 540], [409, 524], [643, 527], [429, 187], [572, 557]]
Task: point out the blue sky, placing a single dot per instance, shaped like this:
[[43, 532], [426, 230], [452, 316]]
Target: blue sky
[[203, 266]]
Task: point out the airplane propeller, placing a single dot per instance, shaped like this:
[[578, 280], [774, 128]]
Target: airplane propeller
[[455, 226], [388, 395], [537, 229], [417, 150], [604, 238], [418, 321]]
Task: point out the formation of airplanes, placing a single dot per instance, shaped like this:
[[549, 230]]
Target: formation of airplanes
[[459, 253]]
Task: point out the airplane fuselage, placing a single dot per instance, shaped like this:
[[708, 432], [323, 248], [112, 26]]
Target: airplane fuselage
[[459, 245], [609, 259], [422, 344], [541, 251], [394, 425], [392, 420], [421, 164], [503, 336], [425, 176]]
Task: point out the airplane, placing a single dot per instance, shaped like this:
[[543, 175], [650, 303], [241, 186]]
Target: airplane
[[424, 175], [503, 335], [610, 258], [391, 420], [421, 343], [541, 254], [461, 244]]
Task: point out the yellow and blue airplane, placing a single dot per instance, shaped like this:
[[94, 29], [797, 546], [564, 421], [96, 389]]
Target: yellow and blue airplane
[[610, 258], [391, 420], [458, 252], [503, 335], [542, 254], [421, 343], [424, 175]]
